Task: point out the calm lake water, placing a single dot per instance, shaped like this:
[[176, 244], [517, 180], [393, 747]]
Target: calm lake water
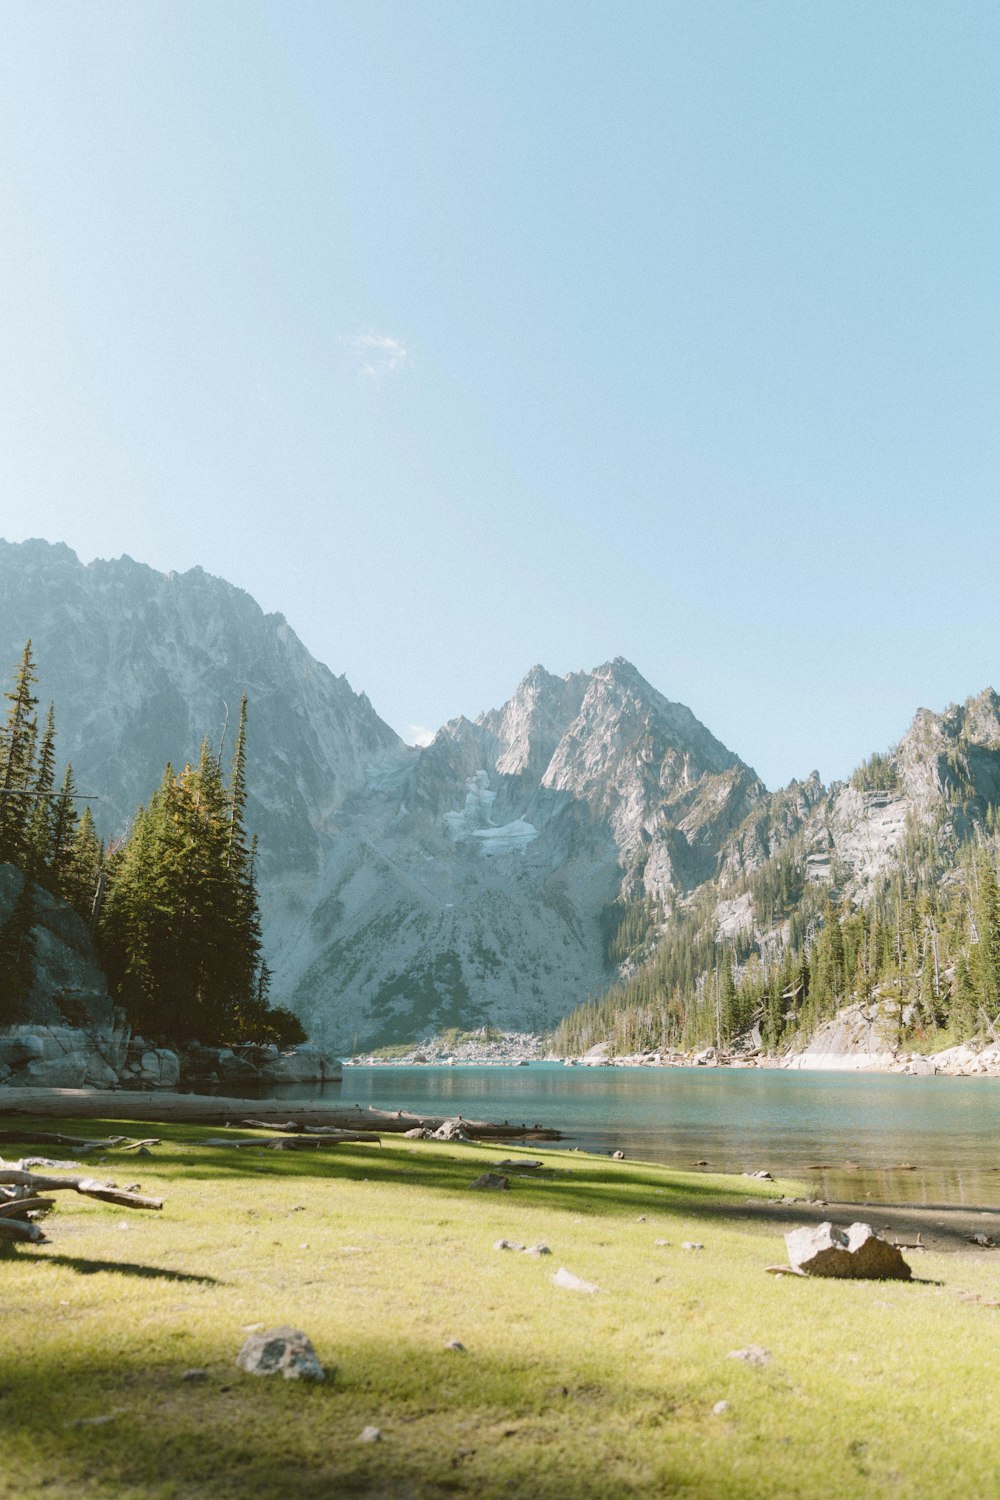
[[848, 1135]]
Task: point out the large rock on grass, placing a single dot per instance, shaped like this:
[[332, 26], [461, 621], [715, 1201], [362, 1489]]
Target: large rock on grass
[[828, 1250], [281, 1351]]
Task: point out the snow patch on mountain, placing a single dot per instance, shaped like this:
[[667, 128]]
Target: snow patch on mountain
[[475, 821]]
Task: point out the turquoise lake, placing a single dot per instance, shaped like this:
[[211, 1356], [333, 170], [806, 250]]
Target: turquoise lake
[[848, 1136]]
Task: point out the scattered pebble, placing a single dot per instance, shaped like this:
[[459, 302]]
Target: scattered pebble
[[537, 1250], [507, 1245], [101, 1421], [720, 1408], [661, 1242], [456, 1346], [618, 1156], [692, 1245], [641, 1219], [370, 1435], [572, 1283], [195, 1376], [753, 1355]]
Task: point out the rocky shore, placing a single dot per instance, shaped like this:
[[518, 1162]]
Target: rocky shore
[[114, 1057], [505, 1049], [857, 1039]]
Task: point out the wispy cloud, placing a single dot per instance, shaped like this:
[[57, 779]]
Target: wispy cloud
[[418, 734], [378, 353]]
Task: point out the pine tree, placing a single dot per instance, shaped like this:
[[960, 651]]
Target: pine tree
[[41, 808], [64, 821], [17, 760], [180, 925], [82, 867]]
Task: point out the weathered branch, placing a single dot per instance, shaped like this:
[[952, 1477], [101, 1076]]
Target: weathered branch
[[15, 1207], [17, 1229], [88, 1186]]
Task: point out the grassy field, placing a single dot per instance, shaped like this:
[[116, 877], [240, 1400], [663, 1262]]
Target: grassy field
[[383, 1255]]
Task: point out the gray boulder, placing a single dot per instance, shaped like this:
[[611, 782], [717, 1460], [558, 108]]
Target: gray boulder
[[281, 1351], [827, 1250], [492, 1182]]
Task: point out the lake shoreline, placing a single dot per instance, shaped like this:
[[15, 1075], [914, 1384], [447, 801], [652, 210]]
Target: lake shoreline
[[935, 1227]]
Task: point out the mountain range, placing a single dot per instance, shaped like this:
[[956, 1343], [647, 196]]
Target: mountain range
[[473, 880]]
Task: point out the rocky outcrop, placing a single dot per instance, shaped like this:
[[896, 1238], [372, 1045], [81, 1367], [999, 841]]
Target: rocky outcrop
[[69, 984], [64, 1057], [859, 1038], [94, 1057]]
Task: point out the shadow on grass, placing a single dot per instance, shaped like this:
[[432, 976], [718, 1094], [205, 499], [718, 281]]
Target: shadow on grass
[[128, 1423], [84, 1267]]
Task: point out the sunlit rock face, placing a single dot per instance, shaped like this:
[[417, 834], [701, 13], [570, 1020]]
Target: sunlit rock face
[[401, 888], [467, 884], [406, 890]]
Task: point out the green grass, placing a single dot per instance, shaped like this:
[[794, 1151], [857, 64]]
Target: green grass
[[384, 1254]]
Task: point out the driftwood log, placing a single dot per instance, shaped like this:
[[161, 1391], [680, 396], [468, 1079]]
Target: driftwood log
[[207, 1109], [79, 1145], [90, 1187], [296, 1142], [23, 1192]]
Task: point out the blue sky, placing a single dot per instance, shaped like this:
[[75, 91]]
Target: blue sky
[[475, 335]]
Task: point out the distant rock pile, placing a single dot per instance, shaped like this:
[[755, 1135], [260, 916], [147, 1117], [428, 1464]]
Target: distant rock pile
[[108, 1057]]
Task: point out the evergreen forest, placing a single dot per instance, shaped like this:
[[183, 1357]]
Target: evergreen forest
[[171, 906], [922, 953]]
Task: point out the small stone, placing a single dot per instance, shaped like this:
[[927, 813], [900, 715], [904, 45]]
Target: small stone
[[692, 1245], [285, 1351], [753, 1355], [618, 1156], [537, 1250], [507, 1245], [492, 1182], [572, 1283], [661, 1242], [456, 1346], [720, 1408], [641, 1219], [370, 1435], [195, 1376]]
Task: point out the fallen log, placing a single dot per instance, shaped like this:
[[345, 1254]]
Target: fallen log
[[210, 1109], [294, 1142], [487, 1130], [88, 1186], [321, 1132], [12, 1208], [79, 1145], [20, 1230], [314, 1142]]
